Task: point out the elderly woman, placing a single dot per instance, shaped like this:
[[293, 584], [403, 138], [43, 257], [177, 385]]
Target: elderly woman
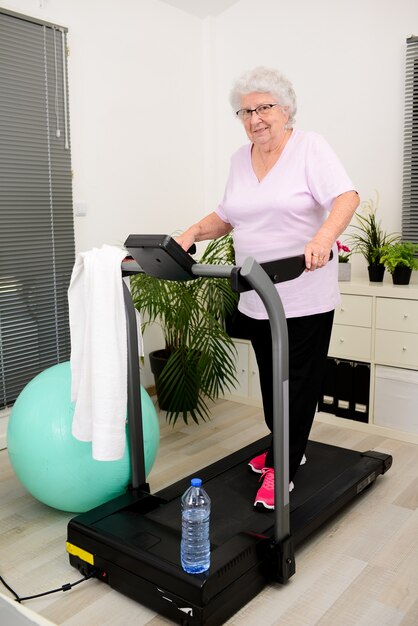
[[287, 192]]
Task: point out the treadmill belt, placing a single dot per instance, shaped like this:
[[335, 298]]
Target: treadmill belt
[[232, 510], [324, 464], [232, 494]]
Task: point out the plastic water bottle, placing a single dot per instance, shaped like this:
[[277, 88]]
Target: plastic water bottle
[[195, 541]]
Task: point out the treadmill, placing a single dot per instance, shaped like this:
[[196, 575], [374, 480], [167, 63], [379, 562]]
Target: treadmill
[[132, 542]]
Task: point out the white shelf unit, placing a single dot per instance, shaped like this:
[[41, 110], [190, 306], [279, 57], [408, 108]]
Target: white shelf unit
[[376, 323], [247, 389]]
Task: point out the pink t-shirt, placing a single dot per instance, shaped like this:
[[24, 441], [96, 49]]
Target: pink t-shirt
[[276, 217]]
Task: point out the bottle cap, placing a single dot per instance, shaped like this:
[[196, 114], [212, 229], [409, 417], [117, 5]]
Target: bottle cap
[[196, 482]]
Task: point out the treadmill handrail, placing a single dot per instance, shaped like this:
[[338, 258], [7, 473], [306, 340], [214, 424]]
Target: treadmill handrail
[[255, 275], [134, 408], [293, 265]]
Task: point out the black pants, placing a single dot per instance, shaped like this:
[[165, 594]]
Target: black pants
[[309, 338]]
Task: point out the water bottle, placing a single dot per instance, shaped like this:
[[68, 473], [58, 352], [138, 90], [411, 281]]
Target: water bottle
[[195, 542]]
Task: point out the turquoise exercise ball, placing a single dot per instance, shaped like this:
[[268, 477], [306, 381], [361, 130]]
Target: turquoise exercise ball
[[51, 464]]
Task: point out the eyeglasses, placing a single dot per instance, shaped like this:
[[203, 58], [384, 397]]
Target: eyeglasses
[[263, 110]]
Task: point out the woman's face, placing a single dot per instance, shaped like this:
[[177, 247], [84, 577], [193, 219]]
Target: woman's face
[[269, 128]]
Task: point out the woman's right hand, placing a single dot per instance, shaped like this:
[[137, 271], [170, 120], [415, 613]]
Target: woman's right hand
[[186, 239], [210, 227]]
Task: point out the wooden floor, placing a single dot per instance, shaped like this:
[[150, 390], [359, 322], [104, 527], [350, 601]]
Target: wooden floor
[[361, 570]]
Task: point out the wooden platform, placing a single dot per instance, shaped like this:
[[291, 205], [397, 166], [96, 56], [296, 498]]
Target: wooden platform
[[362, 569]]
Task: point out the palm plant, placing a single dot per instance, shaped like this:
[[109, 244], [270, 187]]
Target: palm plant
[[200, 354]]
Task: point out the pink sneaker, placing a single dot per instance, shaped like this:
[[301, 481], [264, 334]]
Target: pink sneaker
[[258, 463], [265, 495]]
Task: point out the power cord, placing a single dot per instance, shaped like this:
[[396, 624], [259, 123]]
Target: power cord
[[65, 587]]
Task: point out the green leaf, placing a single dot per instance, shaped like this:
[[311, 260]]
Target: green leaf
[[192, 318], [402, 253]]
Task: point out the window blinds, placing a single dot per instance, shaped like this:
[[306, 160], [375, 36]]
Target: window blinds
[[36, 217], [410, 167]]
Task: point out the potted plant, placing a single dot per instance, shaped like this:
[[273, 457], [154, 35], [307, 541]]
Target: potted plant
[[369, 238], [400, 258], [344, 267], [198, 360]]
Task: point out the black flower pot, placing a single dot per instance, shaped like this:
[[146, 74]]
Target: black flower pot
[[167, 401], [401, 275], [376, 273]]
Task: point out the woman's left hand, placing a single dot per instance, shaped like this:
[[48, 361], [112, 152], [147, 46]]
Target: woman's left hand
[[317, 250], [317, 253]]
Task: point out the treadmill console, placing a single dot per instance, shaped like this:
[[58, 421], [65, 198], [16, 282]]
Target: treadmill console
[[161, 256]]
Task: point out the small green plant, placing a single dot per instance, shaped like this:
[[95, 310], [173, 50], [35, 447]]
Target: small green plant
[[369, 237], [401, 253], [200, 354]]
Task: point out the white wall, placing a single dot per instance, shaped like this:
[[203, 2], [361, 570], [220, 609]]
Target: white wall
[[346, 61], [136, 91]]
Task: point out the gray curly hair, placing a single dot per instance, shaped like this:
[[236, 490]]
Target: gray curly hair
[[265, 80]]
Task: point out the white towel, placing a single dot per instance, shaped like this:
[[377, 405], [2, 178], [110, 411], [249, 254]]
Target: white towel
[[99, 351]]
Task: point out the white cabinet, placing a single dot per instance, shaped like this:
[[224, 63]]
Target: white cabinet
[[248, 386], [397, 349], [351, 336], [396, 398], [355, 311], [254, 380], [397, 332], [350, 343], [377, 324], [242, 368], [397, 314]]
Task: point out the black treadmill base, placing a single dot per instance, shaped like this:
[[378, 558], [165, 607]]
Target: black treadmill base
[[173, 606], [133, 542]]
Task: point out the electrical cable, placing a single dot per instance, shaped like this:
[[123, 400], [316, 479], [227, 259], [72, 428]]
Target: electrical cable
[[65, 587], [9, 588]]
